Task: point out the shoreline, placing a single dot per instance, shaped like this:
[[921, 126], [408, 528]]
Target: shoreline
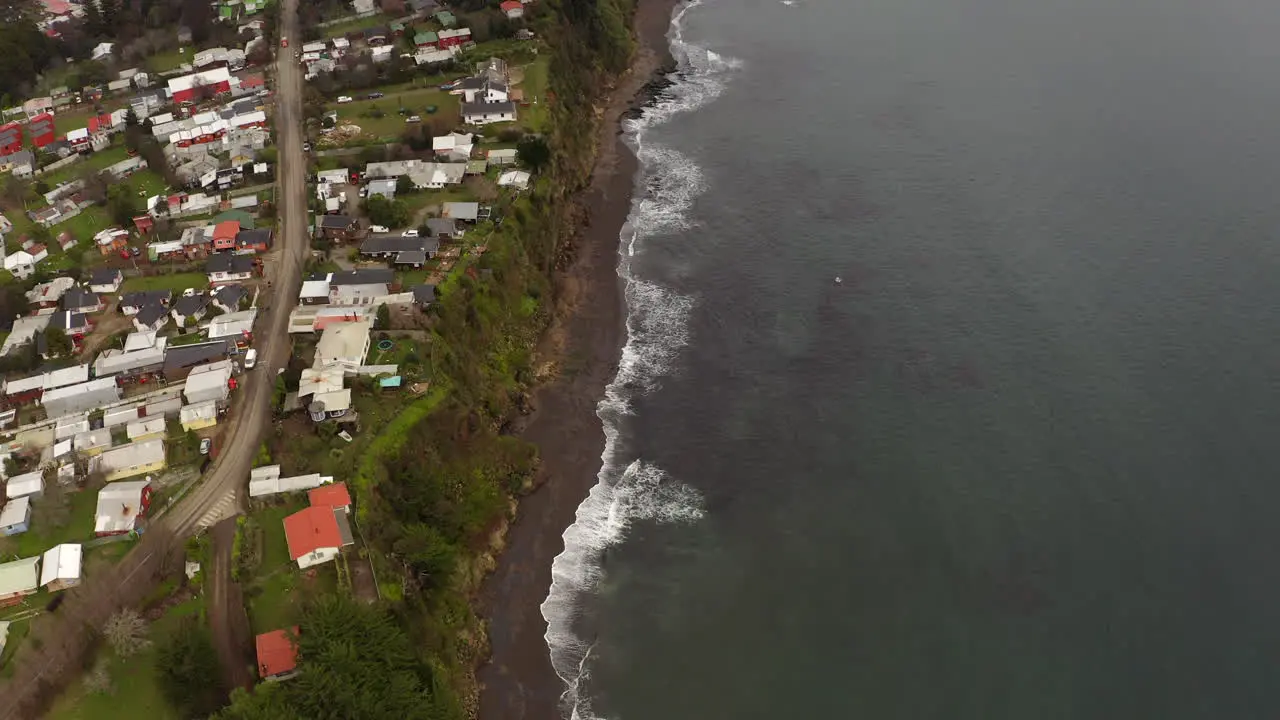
[[585, 342]]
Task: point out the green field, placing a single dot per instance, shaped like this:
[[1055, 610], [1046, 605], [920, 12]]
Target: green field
[[391, 125], [279, 589], [172, 60], [347, 26], [78, 528], [177, 282], [536, 117], [96, 161], [136, 690]]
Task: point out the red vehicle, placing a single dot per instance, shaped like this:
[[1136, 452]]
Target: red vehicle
[[284, 42], [124, 253]]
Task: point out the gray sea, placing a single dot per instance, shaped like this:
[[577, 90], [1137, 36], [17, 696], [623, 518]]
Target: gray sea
[[1021, 461]]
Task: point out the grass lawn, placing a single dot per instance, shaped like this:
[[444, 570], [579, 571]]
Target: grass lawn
[[17, 631], [85, 225], [78, 118], [364, 23], [401, 348], [279, 590], [98, 161], [79, 527], [537, 116], [391, 125], [165, 61], [137, 692], [177, 282]]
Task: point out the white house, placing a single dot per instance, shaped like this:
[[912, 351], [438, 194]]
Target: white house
[[60, 567], [224, 268], [26, 485], [344, 344], [359, 287], [208, 382], [15, 516], [20, 263], [455, 144], [484, 113], [518, 179], [120, 505]]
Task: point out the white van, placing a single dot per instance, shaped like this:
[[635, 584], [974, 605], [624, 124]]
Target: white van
[[250, 358], [344, 99]]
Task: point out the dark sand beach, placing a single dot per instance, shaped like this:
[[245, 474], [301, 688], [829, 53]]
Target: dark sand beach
[[585, 340]]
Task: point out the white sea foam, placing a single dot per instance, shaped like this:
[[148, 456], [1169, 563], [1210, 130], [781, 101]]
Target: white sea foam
[[628, 488]]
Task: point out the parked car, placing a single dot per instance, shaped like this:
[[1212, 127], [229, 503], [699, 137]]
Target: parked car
[[306, 147], [284, 42], [250, 358], [344, 99], [413, 119], [409, 233], [124, 253], [205, 445], [379, 228], [374, 95], [135, 251]]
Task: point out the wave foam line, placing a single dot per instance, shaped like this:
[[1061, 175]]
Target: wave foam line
[[629, 489]]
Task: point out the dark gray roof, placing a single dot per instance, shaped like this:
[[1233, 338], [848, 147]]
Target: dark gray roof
[[184, 356], [411, 257], [146, 297], [363, 277], [254, 237], [65, 320], [391, 244], [442, 226], [336, 222], [77, 298], [149, 314], [484, 108], [103, 276], [230, 295], [228, 263], [423, 294], [470, 83], [191, 304], [318, 276]]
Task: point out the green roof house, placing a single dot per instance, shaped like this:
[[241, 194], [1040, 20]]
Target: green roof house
[[446, 18], [425, 38]]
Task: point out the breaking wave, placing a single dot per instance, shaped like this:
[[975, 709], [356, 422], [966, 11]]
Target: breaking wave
[[630, 489]]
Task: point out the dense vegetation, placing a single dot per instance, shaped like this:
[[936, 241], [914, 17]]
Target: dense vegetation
[[433, 488]]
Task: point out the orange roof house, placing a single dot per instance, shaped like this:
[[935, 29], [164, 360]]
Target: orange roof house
[[277, 654], [224, 235], [333, 495], [316, 535]]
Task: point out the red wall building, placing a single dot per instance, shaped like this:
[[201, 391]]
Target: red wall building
[[41, 130], [10, 138]]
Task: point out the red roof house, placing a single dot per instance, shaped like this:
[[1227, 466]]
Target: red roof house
[[333, 495], [512, 9], [224, 235], [144, 223], [41, 130], [316, 535], [102, 123], [277, 654]]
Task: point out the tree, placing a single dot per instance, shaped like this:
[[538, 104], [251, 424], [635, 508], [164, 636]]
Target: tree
[[98, 680], [58, 343], [188, 672], [126, 633], [404, 185], [382, 320], [534, 153], [381, 211], [123, 204]]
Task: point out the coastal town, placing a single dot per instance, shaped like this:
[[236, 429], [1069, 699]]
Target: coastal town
[[224, 263]]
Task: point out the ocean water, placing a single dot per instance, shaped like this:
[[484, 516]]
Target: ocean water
[[1018, 463]]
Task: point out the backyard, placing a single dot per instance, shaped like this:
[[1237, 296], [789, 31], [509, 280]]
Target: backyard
[[177, 282], [392, 124], [279, 589], [360, 23], [77, 528]]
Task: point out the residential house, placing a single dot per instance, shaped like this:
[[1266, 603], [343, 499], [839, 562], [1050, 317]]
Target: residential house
[[120, 505], [24, 331], [151, 318], [227, 298], [278, 654], [66, 241], [425, 39], [359, 287], [489, 112], [111, 240], [21, 163], [200, 85], [229, 268], [393, 247], [181, 360], [24, 391], [384, 187], [15, 517], [449, 38], [437, 175], [74, 324], [464, 211], [190, 309], [454, 146], [105, 280], [224, 235], [445, 228], [60, 567], [19, 578], [234, 327], [199, 415], [266, 480], [92, 442], [82, 300], [20, 263], [316, 535], [424, 295], [504, 156], [25, 485], [82, 397], [513, 9], [331, 495], [136, 458], [148, 428], [339, 227], [315, 289], [446, 19], [345, 345], [208, 382], [132, 302], [135, 360], [45, 297]]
